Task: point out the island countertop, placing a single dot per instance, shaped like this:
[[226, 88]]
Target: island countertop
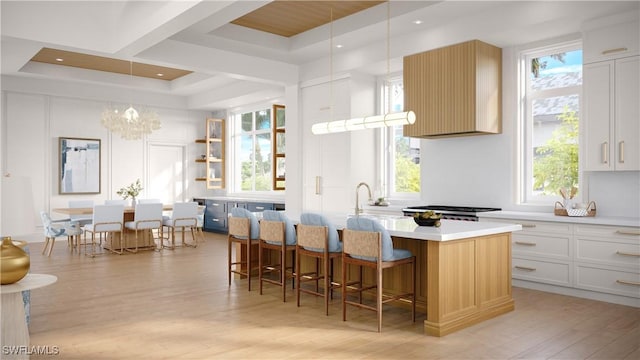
[[404, 226]]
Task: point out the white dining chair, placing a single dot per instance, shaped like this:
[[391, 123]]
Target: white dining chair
[[184, 216], [107, 219], [81, 219], [147, 217]]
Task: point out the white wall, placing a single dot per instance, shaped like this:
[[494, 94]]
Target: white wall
[[32, 121]]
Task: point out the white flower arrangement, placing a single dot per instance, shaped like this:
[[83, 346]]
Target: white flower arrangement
[[131, 191]]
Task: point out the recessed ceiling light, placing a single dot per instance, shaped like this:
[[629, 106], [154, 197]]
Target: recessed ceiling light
[[59, 59], [418, 22], [339, 46], [159, 74]]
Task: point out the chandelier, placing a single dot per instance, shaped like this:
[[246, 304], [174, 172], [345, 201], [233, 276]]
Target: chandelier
[[130, 123]]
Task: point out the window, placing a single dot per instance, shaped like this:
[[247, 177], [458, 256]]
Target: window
[[401, 155], [551, 79], [252, 146]]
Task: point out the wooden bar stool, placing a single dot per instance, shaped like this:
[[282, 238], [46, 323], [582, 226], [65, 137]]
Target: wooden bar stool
[[318, 239], [276, 234], [243, 230], [366, 243]]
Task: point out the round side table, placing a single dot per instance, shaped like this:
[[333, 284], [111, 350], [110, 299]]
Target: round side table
[[15, 333]]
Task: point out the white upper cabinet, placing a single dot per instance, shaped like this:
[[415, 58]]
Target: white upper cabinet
[[611, 42], [611, 96]]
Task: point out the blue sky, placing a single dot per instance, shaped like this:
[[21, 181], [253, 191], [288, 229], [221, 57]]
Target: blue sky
[[572, 63]]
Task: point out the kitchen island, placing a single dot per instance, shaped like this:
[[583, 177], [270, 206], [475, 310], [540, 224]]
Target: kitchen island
[[463, 269]]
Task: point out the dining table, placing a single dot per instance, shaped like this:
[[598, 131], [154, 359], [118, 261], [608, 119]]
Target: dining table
[[128, 236]]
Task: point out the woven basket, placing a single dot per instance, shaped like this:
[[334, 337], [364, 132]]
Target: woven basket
[[560, 210]]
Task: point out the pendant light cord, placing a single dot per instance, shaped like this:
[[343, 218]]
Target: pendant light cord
[[331, 63]]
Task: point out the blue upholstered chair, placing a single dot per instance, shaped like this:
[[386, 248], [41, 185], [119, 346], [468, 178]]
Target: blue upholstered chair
[[277, 233], [55, 229], [318, 239], [366, 243], [244, 230]]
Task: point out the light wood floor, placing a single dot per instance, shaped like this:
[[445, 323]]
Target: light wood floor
[[177, 305]]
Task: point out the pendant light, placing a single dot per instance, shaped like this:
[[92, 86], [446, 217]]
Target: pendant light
[[367, 122], [130, 123]]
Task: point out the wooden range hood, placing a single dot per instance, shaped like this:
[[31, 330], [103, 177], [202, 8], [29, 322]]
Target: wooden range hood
[[454, 90]]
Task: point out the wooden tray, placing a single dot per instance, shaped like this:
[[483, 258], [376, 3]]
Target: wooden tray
[[560, 210]]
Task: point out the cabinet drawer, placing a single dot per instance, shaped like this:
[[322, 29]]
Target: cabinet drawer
[[608, 252], [541, 245], [609, 232], [215, 223], [555, 273], [608, 280], [216, 207], [258, 207], [530, 226]]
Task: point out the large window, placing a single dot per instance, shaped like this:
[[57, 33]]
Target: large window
[[551, 81], [252, 147], [401, 155]]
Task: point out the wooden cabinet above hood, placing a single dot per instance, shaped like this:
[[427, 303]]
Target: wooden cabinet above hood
[[454, 91]]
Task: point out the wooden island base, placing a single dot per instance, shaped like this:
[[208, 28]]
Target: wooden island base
[[468, 281]]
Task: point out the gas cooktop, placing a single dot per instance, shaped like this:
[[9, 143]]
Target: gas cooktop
[[459, 209]]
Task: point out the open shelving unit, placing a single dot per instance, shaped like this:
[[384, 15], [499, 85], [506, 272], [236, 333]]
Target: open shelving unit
[[214, 156]]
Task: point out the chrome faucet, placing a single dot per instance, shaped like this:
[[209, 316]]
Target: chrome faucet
[[358, 208]]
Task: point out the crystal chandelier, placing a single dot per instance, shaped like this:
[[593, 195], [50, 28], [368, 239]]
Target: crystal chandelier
[[130, 123]]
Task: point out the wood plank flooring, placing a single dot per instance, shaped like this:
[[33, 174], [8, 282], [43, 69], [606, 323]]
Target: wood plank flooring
[[177, 305]]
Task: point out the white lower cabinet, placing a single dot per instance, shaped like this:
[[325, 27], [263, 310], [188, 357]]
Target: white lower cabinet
[[594, 261], [607, 259]]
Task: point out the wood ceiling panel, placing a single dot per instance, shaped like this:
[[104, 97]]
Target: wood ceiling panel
[[289, 18], [92, 62]]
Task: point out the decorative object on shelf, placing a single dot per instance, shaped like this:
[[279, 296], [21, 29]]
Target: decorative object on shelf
[[576, 210], [132, 191], [130, 123], [367, 122], [79, 165], [14, 262]]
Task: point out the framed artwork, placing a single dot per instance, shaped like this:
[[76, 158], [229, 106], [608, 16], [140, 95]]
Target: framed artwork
[[79, 165]]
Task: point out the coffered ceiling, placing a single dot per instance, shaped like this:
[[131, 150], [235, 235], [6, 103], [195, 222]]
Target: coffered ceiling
[[222, 54], [288, 17]]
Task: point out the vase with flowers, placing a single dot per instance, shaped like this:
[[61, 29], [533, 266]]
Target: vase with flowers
[[132, 191]]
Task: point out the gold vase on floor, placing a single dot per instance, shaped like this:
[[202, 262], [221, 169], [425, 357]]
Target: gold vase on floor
[[14, 262]]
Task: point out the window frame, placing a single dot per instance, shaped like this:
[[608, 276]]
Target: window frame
[[386, 175], [525, 119], [235, 124]]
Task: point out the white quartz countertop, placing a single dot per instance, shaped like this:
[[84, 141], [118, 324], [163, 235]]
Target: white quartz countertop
[[404, 226], [539, 216]]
